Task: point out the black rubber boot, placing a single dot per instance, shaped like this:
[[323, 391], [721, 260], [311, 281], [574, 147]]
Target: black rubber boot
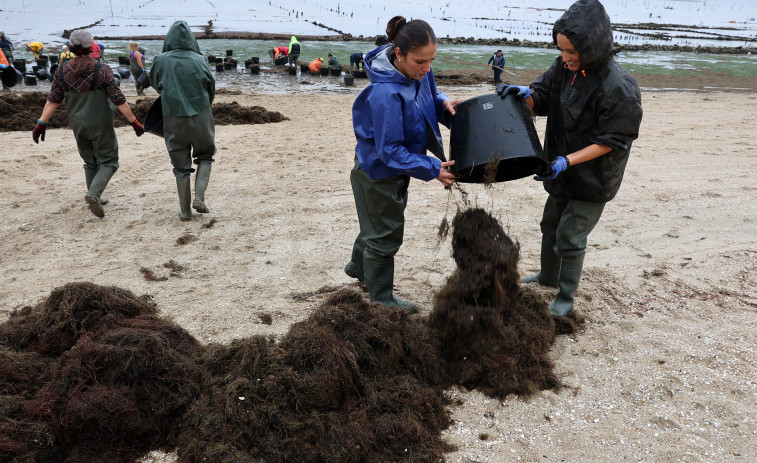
[[201, 184], [90, 175], [570, 275], [550, 266], [96, 188], [185, 198], [354, 268], [379, 278]]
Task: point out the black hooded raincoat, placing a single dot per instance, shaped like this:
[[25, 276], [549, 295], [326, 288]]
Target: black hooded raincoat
[[599, 104]]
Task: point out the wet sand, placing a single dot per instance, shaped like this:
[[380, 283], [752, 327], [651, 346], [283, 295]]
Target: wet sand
[[664, 370]]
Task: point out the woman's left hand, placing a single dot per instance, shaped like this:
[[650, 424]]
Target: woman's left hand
[[450, 105]]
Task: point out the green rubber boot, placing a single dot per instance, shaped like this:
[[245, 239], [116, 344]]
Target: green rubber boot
[[354, 268], [96, 188], [379, 278], [550, 266], [201, 184], [570, 275], [185, 198], [89, 175]]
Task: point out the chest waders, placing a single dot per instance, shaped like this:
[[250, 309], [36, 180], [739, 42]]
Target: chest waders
[[136, 71], [90, 114], [380, 205]]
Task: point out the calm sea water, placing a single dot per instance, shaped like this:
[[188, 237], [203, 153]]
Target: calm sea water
[[449, 58]]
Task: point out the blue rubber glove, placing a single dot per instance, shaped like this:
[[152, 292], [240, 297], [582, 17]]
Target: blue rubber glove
[[504, 89], [558, 166]]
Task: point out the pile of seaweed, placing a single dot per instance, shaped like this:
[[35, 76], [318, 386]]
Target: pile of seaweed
[[92, 374], [355, 382], [19, 112], [494, 336]]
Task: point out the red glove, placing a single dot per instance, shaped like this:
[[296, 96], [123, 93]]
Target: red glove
[[138, 128], [39, 131]]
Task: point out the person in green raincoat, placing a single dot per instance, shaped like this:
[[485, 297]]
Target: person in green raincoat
[[294, 51], [90, 92], [187, 89]]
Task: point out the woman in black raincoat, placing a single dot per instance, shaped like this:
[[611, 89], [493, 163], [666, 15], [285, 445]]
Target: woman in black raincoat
[[593, 109]]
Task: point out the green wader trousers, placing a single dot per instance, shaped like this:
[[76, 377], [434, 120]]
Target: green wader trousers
[[380, 205], [565, 227], [91, 117]]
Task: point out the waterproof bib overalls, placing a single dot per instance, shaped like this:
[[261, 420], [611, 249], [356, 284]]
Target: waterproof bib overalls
[[90, 114], [136, 71]]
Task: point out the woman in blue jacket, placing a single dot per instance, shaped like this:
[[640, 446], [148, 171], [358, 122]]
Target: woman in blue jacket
[[593, 109], [396, 119]]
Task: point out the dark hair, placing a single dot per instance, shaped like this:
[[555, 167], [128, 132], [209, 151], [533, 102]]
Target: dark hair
[[409, 35], [79, 50]]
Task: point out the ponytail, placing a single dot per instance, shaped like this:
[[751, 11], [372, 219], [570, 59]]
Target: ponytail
[[409, 35]]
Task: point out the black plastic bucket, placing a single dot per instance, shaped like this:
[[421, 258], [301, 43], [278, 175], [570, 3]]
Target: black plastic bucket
[[42, 63], [219, 60], [53, 68], [211, 59], [8, 76], [144, 80], [254, 69], [335, 71], [247, 63], [154, 119], [20, 64], [349, 81], [359, 74], [30, 79], [42, 74], [255, 59], [304, 68], [494, 140], [229, 52], [123, 61], [219, 67], [292, 70], [281, 60], [324, 71], [53, 59], [123, 72], [227, 66]]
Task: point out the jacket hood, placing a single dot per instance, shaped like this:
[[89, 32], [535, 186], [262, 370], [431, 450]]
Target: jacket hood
[[588, 28], [180, 37], [379, 67]]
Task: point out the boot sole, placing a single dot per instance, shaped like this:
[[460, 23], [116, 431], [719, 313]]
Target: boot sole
[[94, 206], [200, 207]]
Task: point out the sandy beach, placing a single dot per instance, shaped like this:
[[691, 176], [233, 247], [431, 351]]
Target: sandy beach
[[664, 370]]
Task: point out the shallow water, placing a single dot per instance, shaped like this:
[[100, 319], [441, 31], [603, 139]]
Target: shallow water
[[449, 58]]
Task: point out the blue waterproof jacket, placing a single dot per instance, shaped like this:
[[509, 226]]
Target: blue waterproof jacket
[[396, 120]]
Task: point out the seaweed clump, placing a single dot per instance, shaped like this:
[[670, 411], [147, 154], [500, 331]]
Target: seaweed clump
[[494, 335], [354, 382], [91, 374]]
